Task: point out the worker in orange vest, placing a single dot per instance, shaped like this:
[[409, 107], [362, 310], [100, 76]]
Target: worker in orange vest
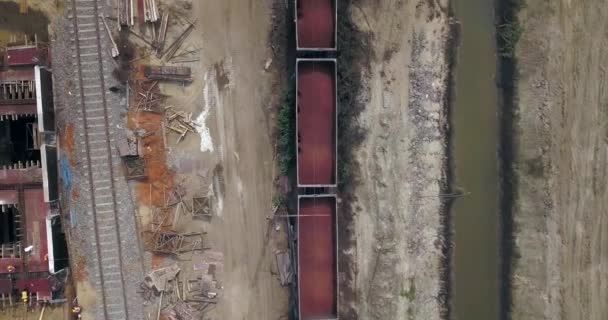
[[77, 311]]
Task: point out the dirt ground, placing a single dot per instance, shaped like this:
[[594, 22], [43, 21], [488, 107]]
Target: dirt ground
[[231, 158], [56, 313], [398, 224], [561, 222]]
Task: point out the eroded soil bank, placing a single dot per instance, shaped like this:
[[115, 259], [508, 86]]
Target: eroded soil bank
[[559, 172], [398, 235]]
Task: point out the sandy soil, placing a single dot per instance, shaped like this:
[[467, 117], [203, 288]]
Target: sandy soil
[[560, 162], [398, 225], [232, 156]]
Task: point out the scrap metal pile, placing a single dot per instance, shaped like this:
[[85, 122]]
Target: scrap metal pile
[[148, 98], [180, 298], [134, 164], [179, 122], [161, 238]]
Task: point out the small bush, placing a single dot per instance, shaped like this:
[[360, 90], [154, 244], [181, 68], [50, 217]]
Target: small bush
[[509, 34], [353, 51], [280, 201], [286, 130], [535, 167]]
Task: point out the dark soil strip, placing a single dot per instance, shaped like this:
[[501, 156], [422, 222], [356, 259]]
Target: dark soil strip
[[353, 58], [451, 57], [34, 22], [506, 13]]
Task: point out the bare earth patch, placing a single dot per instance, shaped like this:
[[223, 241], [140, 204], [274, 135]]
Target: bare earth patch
[[398, 223], [561, 226]]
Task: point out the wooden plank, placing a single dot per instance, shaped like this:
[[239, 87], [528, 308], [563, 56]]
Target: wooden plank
[[162, 34]]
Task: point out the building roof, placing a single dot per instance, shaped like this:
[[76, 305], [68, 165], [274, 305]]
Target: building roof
[[41, 286], [35, 234], [22, 56], [5, 286], [22, 74]]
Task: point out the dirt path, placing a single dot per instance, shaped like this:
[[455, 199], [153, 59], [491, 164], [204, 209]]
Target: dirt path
[[229, 98], [398, 223], [561, 156]]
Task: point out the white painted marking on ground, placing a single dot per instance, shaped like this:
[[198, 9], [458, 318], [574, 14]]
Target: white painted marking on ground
[[210, 100]]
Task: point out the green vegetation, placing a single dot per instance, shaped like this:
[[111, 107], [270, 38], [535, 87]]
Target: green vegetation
[[280, 201], [535, 167], [509, 34], [410, 293], [286, 130], [508, 29], [353, 49]]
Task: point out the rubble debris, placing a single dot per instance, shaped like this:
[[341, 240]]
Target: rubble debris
[[146, 292], [128, 146], [180, 311], [161, 279], [168, 73], [176, 216], [203, 261], [179, 122], [150, 11], [114, 50], [174, 196], [187, 54], [162, 34], [267, 64], [147, 97], [170, 242], [141, 38], [205, 287], [172, 49], [125, 13], [201, 208], [186, 60], [23, 7], [160, 218], [135, 168], [284, 267]]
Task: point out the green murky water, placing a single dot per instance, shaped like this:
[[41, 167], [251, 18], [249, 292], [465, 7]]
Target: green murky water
[[475, 121]]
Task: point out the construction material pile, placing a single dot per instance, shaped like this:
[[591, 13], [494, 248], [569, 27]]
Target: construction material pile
[[184, 299], [179, 122]]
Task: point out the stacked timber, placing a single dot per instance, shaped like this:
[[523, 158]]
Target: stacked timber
[[150, 11], [125, 13], [168, 73]]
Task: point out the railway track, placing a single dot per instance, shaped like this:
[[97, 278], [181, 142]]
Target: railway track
[[87, 34]]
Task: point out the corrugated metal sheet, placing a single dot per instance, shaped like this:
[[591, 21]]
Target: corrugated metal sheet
[[9, 197], [40, 286], [16, 75], [5, 286], [21, 56]]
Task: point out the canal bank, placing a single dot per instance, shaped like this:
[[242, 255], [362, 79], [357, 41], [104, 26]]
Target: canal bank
[[475, 265], [560, 150], [506, 15]]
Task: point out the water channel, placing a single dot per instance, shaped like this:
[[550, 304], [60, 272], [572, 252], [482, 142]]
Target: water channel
[[475, 145]]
